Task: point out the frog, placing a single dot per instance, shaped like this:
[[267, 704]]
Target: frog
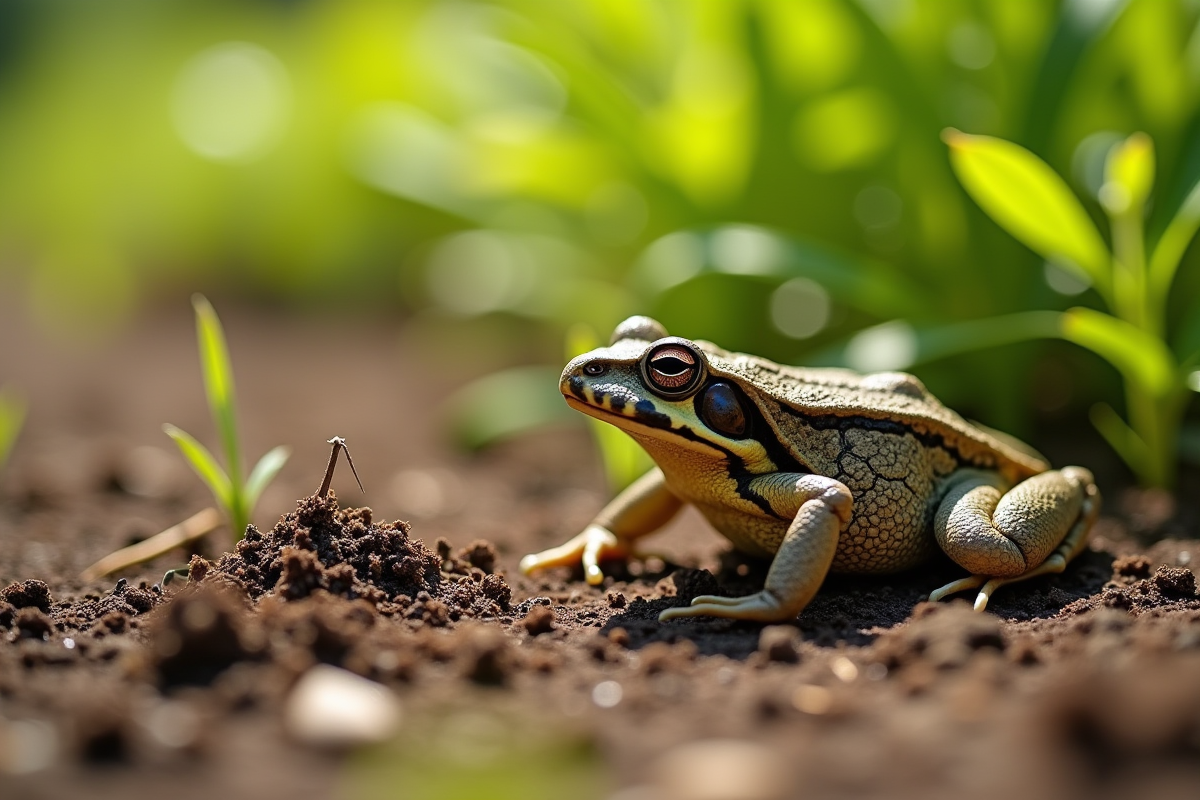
[[820, 470]]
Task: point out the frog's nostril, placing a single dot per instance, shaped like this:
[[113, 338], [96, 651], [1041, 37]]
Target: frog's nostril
[[594, 369]]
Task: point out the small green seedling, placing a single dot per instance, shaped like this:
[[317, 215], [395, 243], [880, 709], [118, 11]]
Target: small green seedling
[[1028, 199], [236, 498], [12, 415]]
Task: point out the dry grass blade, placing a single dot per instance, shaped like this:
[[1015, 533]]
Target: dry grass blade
[[190, 530]]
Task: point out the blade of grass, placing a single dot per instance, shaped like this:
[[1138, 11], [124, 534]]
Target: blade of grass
[[1173, 244], [204, 464], [218, 384], [264, 472], [1121, 438]]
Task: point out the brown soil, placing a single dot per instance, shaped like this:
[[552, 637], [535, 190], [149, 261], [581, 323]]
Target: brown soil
[[1080, 685]]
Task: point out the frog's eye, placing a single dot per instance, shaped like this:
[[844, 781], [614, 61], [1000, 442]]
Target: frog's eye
[[722, 411], [673, 370]]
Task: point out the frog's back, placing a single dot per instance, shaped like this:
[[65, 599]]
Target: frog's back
[[894, 402]]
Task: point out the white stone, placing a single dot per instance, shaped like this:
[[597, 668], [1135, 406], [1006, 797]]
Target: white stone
[[333, 708]]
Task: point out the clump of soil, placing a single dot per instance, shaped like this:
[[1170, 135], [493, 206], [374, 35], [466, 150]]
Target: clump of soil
[[346, 553], [1169, 588]]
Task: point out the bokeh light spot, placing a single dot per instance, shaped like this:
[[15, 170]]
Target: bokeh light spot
[[231, 102], [477, 272], [1066, 279], [745, 250], [878, 208], [844, 130], [970, 45], [616, 213], [800, 308], [669, 261], [892, 345]]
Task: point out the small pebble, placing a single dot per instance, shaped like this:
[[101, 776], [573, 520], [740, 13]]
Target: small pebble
[[815, 700], [607, 694], [844, 669], [778, 643], [539, 620], [333, 708]]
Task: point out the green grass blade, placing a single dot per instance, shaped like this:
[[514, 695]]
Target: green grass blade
[[1027, 198], [218, 383], [1141, 358], [263, 473], [12, 416], [1121, 438], [206, 467], [1174, 243]]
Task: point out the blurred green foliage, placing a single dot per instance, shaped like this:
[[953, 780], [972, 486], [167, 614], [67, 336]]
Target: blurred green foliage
[[768, 175], [484, 752], [236, 497], [12, 416]]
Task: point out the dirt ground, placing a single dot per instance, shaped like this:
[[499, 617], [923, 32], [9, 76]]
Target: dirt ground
[[497, 685]]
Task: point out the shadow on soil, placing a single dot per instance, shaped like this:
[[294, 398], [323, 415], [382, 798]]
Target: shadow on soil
[[849, 610]]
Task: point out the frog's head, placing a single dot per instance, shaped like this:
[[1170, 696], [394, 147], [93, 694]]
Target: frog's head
[[660, 387]]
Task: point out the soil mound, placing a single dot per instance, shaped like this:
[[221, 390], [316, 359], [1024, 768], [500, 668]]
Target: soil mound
[[321, 546]]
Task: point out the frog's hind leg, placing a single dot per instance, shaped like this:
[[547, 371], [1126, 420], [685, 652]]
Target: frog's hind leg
[[1036, 528]]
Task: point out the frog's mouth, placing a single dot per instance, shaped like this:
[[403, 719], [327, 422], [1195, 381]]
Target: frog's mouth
[[644, 414]]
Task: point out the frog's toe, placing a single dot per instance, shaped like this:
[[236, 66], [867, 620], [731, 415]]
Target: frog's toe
[[961, 585], [586, 549], [760, 607]]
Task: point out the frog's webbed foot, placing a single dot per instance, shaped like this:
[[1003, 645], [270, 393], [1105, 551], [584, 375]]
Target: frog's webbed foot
[[760, 606], [977, 526], [588, 548]]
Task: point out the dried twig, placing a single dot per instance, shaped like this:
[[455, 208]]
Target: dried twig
[[338, 444]]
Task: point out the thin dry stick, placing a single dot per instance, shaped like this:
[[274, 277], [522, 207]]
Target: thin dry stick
[[191, 529], [338, 444]]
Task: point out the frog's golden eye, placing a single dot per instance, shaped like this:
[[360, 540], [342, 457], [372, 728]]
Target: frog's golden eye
[[721, 410], [673, 370]]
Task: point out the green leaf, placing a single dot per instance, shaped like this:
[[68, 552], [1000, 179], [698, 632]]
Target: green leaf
[[263, 473], [1121, 438], [205, 466], [218, 381], [506, 403], [1028, 199], [1141, 358], [12, 416]]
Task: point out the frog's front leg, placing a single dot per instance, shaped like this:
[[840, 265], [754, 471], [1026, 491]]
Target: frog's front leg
[[1034, 529], [820, 508], [644, 507]]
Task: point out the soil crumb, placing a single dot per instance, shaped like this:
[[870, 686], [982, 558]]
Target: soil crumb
[[346, 553]]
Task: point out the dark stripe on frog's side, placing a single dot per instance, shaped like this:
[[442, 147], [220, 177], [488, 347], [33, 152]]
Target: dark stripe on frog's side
[[928, 439]]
